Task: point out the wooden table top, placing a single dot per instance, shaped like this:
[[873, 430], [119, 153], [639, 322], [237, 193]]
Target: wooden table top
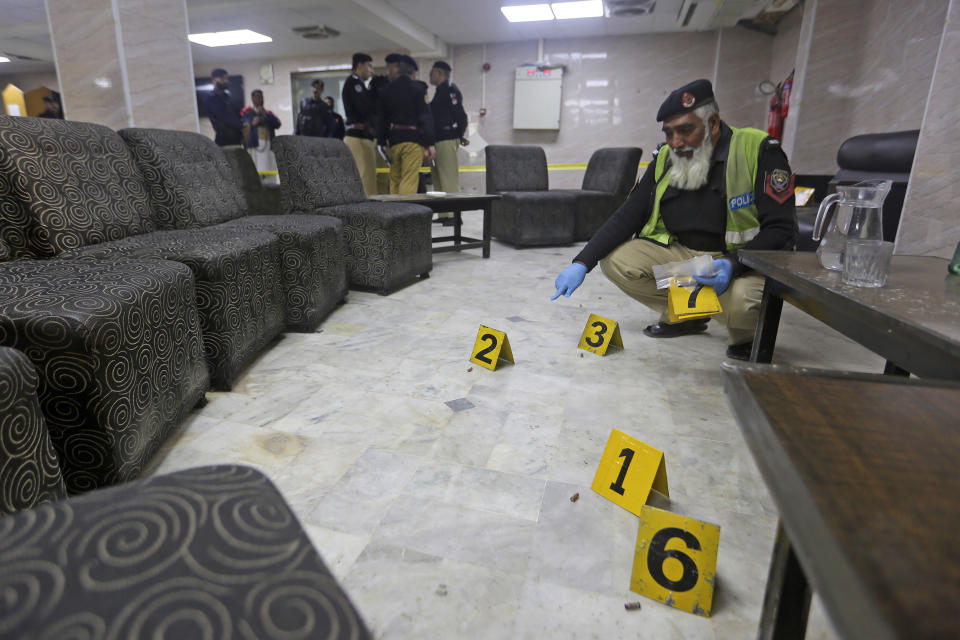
[[865, 471], [919, 306]]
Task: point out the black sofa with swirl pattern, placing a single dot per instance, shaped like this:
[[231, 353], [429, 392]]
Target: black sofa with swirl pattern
[[29, 467], [388, 243], [117, 350], [211, 552], [73, 190], [192, 186]]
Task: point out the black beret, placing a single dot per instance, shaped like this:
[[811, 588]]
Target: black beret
[[440, 64], [216, 73], [410, 61], [686, 98], [393, 57], [359, 58]]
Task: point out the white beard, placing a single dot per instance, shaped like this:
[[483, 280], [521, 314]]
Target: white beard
[[691, 173]]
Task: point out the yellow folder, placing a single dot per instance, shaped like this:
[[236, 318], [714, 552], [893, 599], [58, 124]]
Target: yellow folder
[[689, 302]]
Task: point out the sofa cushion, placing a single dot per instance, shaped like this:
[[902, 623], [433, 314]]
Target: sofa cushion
[[29, 467], [528, 218], [190, 182], [117, 348], [262, 199], [65, 185], [515, 168], [613, 169], [316, 173]]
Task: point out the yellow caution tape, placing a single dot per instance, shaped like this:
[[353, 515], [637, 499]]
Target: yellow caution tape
[[480, 168]]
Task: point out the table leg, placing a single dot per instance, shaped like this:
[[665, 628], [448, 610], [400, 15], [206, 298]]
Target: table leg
[[486, 230], [457, 221], [765, 338], [786, 602], [892, 369]]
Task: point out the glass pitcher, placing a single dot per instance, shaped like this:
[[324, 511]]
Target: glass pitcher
[[859, 214]]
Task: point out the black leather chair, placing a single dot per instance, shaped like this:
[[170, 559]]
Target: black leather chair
[[29, 466], [528, 213], [211, 552], [872, 156]]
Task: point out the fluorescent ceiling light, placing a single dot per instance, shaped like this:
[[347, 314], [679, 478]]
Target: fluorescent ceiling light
[[581, 9], [3, 59], [228, 38], [527, 12]]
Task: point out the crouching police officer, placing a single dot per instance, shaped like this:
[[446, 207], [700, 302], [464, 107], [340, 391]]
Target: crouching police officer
[[712, 189]]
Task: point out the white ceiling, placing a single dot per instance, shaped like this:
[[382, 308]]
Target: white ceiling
[[419, 26]]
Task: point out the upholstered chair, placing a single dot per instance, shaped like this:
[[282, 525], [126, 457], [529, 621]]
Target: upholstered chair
[[388, 243], [528, 213], [210, 552], [262, 199], [191, 186], [611, 174]]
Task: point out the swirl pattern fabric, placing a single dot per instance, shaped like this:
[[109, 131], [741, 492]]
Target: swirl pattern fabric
[[316, 173], [238, 288], [262, 199], [388, 243], [66, 185], [313, 269], [189, 181], [29, 467], [117, 348], [212, 552]]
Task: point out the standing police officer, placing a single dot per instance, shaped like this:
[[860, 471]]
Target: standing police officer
[[315, 118], [450, 126], [228, 125], [712, 190], [360, 105], [405, 124]]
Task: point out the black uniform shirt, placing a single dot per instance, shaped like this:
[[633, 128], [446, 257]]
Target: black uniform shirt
[[315, 119], [225, 118], [698, 218], [449, 118], [360, 105], [403, 102]]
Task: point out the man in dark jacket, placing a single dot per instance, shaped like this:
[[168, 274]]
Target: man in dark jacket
[[315, 118], [450, 126], [224, 114], [340, 129], [360, 106], [404, 123], [711, 190]]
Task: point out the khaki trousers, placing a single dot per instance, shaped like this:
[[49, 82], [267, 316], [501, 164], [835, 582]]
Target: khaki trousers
[[446, 170], [406, 159], [365, 155], [630, 267]]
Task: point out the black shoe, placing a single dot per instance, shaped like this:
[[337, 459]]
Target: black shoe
[[740, 351], [667, 330]]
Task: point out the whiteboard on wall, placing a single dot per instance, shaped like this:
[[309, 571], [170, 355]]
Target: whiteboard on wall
[[537, 97]]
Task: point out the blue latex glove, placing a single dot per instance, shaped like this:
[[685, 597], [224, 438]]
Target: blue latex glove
[[723, 272], [569, 279]]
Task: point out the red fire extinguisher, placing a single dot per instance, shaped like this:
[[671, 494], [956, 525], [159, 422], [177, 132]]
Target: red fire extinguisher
[[785, 96], [775, 116]]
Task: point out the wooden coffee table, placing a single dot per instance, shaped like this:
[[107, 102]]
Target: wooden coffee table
[[457, 203]]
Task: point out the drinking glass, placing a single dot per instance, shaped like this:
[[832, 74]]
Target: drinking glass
[[866, 262]]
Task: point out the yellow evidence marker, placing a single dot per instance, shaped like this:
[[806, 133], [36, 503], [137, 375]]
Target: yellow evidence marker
[[689, 302], [599, 334], [628, 470], [675, 561], [490, 348]]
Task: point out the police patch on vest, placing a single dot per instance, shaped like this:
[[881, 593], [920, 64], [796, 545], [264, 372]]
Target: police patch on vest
[[743, 200], [779, 185], [453, 101], [357, 88]]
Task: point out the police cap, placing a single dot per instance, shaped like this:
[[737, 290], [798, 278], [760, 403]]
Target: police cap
[[393, 57], [440, 64], [686, 98], [410, 61], [360, 58]]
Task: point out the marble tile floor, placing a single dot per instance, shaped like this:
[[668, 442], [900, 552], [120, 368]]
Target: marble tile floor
[[438, 492]]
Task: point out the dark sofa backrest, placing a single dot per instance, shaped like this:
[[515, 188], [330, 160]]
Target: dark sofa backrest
[[188, 178], [516, 168], [65, 185], [315, 173], [613, 170]]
